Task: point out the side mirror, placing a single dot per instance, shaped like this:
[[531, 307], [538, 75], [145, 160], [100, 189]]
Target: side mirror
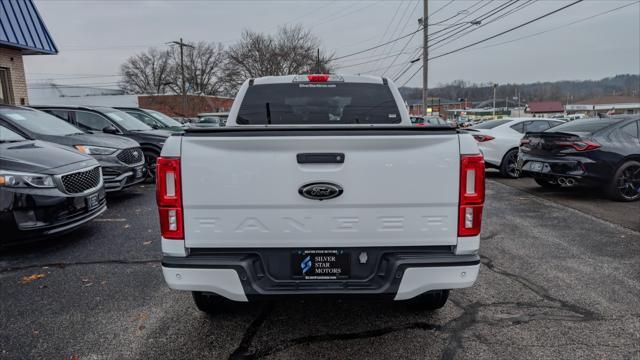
[[110, 129], [155, 126]]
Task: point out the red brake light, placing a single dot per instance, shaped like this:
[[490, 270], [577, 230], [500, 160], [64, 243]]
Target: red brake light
[[585, 145], [524, 141], [471, 195], [580, 145], [169, 197], [318, 78], [483, 138]]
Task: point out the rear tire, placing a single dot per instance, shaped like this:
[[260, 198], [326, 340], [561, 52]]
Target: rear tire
[[509, 165], [625, 185], [210, 303], [547, 184], [432, 300]]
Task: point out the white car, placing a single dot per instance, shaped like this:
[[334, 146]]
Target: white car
[[305, 192], [499, 140]]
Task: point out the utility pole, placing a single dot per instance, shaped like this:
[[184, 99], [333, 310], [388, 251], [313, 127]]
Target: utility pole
[[318, 62], [184, 83], [494, 100], [425, 55]]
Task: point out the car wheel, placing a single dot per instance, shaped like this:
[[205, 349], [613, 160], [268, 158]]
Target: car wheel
[[150, 158], [210, 303], [509, 165], [432, 300], [625, 185], [545, 183]]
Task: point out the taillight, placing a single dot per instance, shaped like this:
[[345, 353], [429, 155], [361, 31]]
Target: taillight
[[483, 138], [579, 145], [169, 198], [471, 195], [524, 141]]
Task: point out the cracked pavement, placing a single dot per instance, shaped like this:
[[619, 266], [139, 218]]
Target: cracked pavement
[[557, 281]]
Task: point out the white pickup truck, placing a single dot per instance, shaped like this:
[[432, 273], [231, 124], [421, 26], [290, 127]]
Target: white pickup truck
[[320, 186]]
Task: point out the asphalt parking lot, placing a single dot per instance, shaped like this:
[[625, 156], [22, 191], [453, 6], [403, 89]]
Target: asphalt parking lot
[[560, 279]]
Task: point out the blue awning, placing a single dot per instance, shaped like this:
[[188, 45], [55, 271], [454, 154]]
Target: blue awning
[[21, 27]]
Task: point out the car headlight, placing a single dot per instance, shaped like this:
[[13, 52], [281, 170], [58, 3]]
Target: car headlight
[[95, 150], [20, 180]]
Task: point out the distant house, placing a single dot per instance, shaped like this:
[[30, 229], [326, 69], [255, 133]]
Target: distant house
[[544, 108], [22, 32], [607, 105]]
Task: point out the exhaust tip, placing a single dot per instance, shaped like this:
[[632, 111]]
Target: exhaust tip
[[562, 181]]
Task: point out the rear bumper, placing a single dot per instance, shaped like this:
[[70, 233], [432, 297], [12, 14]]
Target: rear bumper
[[397, 274], [583, 170]]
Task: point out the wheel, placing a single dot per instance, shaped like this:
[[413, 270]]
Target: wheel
[[549, 184], [509, 165], [150, 157], [432, 300], [210, 303], [625, 185]]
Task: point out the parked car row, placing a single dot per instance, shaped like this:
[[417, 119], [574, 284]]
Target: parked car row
[[599, 152], [57, 163], [602, 153], [499, 140]]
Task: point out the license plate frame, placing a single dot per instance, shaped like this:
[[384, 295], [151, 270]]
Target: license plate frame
[[320, 264], [92, 201]]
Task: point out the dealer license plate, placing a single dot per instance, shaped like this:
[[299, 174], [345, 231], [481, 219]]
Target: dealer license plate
[[320, 264]]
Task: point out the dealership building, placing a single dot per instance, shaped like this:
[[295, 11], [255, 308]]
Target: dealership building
[[611, 105], [22, 32]]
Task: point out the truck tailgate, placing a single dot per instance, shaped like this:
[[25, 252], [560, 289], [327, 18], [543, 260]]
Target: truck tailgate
[[242, 190]]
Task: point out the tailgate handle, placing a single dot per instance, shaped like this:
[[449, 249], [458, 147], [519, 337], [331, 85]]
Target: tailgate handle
[[320, 158]]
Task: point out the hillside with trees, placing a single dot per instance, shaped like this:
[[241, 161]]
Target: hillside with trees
[[563, 91]]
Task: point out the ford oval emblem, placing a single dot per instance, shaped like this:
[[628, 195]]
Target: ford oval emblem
[[320, 191]]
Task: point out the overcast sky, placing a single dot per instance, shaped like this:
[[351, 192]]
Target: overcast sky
[[95, 37]]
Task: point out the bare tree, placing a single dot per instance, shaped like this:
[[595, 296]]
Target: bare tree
[[158, 72], [203, 66], [292, 50], [146, 73]]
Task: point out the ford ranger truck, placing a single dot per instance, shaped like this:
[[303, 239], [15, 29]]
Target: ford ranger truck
[[320, 186]]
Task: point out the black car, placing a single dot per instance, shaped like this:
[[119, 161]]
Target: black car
[[121, 158], [594, 152], [46, 189], [112, 121], [155, 119]]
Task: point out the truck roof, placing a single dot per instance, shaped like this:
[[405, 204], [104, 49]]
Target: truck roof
[[286, 79]]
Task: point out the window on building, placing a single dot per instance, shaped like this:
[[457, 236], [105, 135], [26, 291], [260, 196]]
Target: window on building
[[5, 94]]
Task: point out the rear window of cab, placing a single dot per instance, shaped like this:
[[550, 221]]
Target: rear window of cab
[[318, 104]]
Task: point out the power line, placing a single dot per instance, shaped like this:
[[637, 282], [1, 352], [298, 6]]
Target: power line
[[508, 30], [442, 7], [406, 22], [370, 61], [458, 28], [343, 15], [378, 46], [495, 36], [558, 27], [397, 25], [462, 34]]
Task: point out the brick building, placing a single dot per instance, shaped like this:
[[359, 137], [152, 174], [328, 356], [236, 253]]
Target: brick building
[[22, 32], [175, 105]]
